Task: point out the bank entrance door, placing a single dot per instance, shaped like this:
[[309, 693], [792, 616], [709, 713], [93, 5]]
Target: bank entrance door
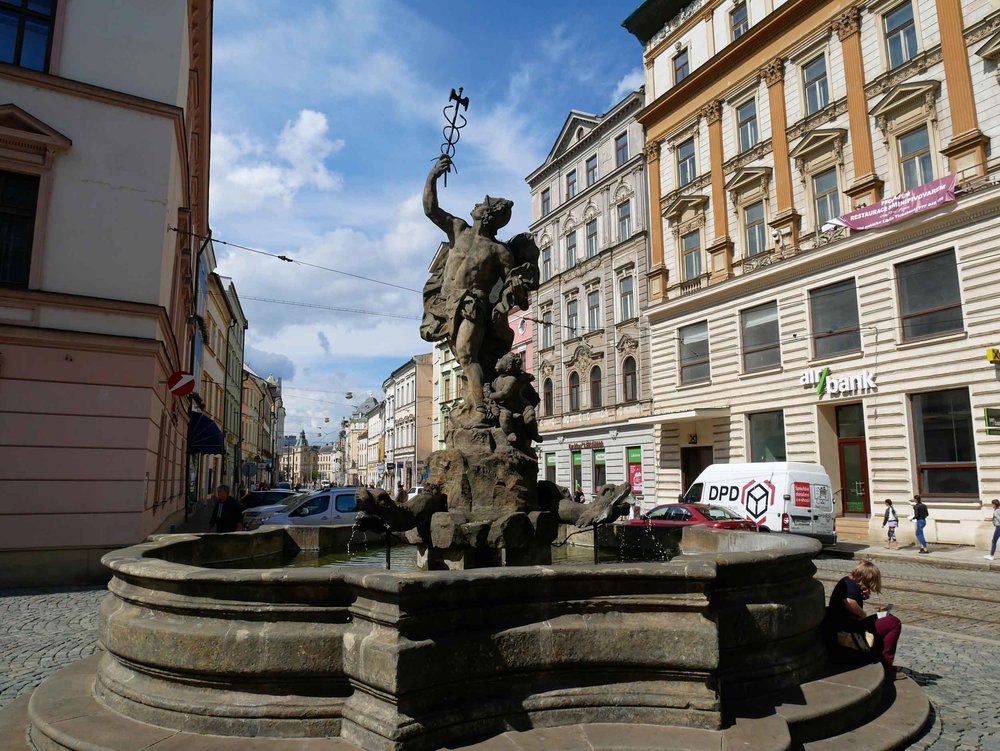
[[693, 460], [853, 451]]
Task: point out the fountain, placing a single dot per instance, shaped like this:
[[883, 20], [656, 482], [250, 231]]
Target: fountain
[[715, 647]]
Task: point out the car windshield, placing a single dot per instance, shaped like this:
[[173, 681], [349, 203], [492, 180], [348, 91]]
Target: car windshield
[[291, 500], [660, 512], [717, 514]]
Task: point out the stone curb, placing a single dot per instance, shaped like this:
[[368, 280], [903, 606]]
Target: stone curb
[[922, 560]]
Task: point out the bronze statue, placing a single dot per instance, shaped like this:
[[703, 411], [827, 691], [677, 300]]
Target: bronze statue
[[467, 299]]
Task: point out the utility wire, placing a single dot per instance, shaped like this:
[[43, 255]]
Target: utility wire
[[287, 259], [330, 307]]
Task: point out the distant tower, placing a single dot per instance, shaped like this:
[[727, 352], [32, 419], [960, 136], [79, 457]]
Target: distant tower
[[302, 439]]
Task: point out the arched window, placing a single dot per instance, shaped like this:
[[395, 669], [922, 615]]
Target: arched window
[[547, 397], [631, 380], [574, 392], [596, 387]]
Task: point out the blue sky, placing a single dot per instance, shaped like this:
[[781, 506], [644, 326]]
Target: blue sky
[[326, 119]]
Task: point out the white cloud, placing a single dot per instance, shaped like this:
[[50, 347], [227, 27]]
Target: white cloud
[[246, 174], [629, 83]]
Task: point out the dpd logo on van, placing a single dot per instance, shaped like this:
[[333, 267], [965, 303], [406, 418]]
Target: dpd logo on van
[[756, 497]]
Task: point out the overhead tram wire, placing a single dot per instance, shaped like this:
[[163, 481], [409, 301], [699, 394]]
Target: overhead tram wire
[[282, 257], [330, 307]]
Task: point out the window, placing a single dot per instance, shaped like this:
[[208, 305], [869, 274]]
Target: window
[[547, 402], [816, 87], [447, 388], [26, 33], [593, 310], [546, 329], [596, 387], [546, 201], [572, 319], [574, 392], [900, 35], [621, 149], [600, 474], [738, 21], [767, 437], [550, 467], [691, 254], [571, 250], [626, 295], [693, 342], [577, 469], [756, 232], [915, 158], [834, 311], [946, 454], [592, 170], [929, 299], [681, 67], [826, 196], [746, 121], [630, 380], [571, 184], [686, 168], [546, 263], [624, 221], [591, 238], [346, 503], [18, 199], [761, 348]]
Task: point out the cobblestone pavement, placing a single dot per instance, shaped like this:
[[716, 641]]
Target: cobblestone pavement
[[950, 643], [42, 630]]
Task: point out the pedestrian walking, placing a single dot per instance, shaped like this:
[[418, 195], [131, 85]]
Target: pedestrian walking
[[578, 495], [996, 530], [227, 513], [400, 493], [890, 520], [920, 515]]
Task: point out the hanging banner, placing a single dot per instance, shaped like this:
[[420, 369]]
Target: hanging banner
[[901, 206]]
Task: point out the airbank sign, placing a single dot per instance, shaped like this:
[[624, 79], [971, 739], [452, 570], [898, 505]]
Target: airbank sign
[[826, 383]]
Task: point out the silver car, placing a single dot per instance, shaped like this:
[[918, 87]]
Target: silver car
[[330, 506]]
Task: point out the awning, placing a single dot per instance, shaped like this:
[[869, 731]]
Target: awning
[[204, 436], [699, 413]]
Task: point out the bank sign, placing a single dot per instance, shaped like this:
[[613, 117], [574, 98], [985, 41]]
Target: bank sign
[[823, 380]]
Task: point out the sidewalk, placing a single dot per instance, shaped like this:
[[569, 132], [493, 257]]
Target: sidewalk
[[943, 556]]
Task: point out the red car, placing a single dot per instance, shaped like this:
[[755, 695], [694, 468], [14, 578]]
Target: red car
[[684, 514]]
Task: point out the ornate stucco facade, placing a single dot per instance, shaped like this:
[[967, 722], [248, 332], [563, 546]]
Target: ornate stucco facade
[[589, 217], [765, 123]]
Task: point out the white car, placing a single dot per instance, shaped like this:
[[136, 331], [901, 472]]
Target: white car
[[322, 508], [414, 492]]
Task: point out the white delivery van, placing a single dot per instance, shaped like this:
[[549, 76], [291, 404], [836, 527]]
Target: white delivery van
[[791, 497]]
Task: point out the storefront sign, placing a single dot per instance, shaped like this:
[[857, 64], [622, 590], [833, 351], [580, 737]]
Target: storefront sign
[[587, 445], [901, 206], [634, 460], [599, 457], [550, 460], [992, 421], [826, 383]]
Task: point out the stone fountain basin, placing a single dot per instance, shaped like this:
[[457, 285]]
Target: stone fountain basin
[[393, 660]]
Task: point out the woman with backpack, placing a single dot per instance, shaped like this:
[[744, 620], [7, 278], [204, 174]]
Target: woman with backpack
[[891, 521]]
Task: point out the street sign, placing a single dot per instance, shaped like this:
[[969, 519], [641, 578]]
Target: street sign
[[992, 421], [181, 383], [249, 469]]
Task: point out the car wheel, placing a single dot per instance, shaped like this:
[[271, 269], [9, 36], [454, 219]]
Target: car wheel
[[763, 529]]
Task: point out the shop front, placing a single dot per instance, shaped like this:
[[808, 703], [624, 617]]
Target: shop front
[[600, 456]]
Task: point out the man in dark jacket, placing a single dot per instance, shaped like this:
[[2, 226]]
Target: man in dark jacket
[[227, 513]]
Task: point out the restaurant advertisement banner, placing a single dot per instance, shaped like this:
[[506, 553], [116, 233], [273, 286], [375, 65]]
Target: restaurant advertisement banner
[[901, 206]]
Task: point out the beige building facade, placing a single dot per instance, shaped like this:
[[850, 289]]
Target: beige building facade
[[412, 418], [99, 160], [783, 327]]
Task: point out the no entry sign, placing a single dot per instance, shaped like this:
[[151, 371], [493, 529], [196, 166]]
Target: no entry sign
[[181, 383]]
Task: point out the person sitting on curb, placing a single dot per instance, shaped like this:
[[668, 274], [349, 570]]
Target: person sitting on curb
[[996, 530], [853, 636]]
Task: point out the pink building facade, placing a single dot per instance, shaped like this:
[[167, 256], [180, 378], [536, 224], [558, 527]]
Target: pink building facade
[[100, 162]]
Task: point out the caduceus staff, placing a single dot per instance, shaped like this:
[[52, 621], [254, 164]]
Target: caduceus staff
[[455, 122]]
